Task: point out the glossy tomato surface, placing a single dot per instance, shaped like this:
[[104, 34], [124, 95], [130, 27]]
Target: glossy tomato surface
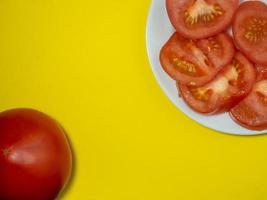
[[198, 19], [195, 62], [250, 30], [35, 157], [224, 91], [252, 111]]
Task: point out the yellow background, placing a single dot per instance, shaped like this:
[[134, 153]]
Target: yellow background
[[84, 63]]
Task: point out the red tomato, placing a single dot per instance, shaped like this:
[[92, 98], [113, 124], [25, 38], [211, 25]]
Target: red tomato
[[250, 30], [252, 111], [224, 91], [35, 156], [196, 62], [198, 19]]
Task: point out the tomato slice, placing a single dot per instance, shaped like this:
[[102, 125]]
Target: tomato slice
[[224, 91], [252, 111], [195, 62], [198, 19], [250, 30]]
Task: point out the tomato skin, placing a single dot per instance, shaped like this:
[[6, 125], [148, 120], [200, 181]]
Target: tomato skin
[[195, 51], [176, 9], [256, 51], [35, 157], [222, 96]]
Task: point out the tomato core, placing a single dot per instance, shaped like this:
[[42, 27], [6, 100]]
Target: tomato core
[[202, 12], [5, 152]]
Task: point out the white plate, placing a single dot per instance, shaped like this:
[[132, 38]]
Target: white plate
[[158, 31]]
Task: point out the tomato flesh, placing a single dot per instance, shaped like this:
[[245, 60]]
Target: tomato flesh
[[35, 156], [252, 111], [195, 62], [250, 30], [261, 72], [198, 19], [224, 91]]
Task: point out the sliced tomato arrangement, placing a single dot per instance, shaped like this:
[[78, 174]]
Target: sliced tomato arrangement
[[195, 62], [198, 19], [227, 89], [252, 111], [250, 30], [213, 72]]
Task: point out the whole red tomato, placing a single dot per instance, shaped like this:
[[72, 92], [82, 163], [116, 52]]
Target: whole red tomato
[[35, 156]]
